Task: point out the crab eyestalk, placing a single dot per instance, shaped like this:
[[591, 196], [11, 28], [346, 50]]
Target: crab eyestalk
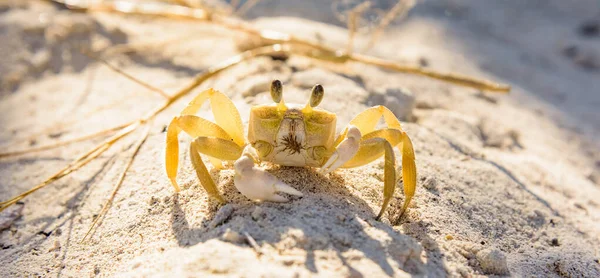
[[277, 94], [316, 95]]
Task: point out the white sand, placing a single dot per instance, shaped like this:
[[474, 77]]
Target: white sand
[[508, 185]]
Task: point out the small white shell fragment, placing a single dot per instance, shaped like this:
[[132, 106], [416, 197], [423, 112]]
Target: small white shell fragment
[[492, 261], [232, 236]]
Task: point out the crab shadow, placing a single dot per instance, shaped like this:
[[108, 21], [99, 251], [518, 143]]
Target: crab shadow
[[329, 217]]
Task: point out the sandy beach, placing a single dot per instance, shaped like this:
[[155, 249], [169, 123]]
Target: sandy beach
[[508, 185]]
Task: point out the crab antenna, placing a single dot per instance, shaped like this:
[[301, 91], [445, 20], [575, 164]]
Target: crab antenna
[[316, 96], [277, 94]]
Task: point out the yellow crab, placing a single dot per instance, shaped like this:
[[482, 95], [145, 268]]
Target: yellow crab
[[290, 135]]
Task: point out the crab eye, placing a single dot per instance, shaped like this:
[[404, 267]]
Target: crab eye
[[316, 95], [276, 91]]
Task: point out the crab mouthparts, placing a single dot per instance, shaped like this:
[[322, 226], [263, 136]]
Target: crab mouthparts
[[291, 135], [292, 144]]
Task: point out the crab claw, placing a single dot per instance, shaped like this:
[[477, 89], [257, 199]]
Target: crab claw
[[259, 185], [344, 152]]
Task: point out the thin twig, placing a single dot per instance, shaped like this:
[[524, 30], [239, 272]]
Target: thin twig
[[246, 7], [274, 37], [353, 22], [133, 8], [457, 79], [120, 180], [93, 135], [234, 4], [181, 2], [399, 10], [102, 147], [127, 75], [64, 142], [253, 243], [74, 165], [133, 46]]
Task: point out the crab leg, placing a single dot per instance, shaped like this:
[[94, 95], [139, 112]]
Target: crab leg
[[367, 120], [394, 135], [389, 171], [228, 127], [214, 147], [195, 127], [365, 155], [371, 149], [225, 112]]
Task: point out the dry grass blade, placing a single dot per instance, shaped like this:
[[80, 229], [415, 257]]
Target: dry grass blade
[[180, 2], [273, 37], [131, 47], [73, 166], [58, 128], [399, 10], [453, 78], [246, 7], [108, 203], [353, 22], [96, 134], [248, 54], [127, 75], [102, 147], [133, 8], [234, 4], [64, 142]]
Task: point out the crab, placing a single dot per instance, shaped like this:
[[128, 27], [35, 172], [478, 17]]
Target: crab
[[289, 135]]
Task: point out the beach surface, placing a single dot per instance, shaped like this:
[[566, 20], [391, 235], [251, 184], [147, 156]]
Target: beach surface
[[508, 184]]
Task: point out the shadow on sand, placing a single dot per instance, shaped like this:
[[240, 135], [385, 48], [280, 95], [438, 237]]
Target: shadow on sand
[[327, 218]]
